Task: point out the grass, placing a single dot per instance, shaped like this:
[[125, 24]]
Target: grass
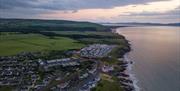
[[11, 44], [110, 61], [6, 88], [106, 84], [107, 77], [91, 37]]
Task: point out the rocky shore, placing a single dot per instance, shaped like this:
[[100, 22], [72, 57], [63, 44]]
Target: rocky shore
[[125, 77]]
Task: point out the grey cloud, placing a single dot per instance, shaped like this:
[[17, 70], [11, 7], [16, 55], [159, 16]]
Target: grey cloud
[[20, 8], [68, 4], [33, 8], [9, 4], [170, 16], [175, 12]]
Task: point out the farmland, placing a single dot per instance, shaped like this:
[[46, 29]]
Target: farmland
[[13, 43]]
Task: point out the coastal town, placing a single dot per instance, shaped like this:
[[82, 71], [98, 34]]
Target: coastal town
[[81, 72]]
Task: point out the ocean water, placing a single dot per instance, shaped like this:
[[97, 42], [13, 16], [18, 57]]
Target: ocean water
[[156, 56]]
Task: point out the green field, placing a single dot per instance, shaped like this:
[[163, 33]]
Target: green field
[[6, 88], [30, 35], [11, 44], [107, 84]]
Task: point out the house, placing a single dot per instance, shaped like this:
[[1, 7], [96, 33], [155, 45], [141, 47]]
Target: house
[[107, 68], [84, 75], [63, 85]]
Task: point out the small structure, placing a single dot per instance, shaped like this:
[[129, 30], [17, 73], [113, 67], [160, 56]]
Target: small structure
[[107, 68], [84, 75], [63, 85]]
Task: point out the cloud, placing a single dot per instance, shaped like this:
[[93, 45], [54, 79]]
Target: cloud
[[92, 10], [10, 4], [173, 14], [68, 4], [35, 8], [170, 16]]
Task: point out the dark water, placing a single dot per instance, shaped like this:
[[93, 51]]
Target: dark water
[[156, 53]]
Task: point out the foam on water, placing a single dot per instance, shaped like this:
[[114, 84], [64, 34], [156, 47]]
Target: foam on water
[[129, 72]]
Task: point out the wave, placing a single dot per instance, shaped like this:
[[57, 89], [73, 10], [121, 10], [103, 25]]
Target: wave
[[129, 72]]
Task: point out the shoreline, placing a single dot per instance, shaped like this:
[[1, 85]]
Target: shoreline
[[128, 69], [129, 72]]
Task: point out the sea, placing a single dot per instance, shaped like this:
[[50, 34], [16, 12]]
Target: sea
[[155, 55]]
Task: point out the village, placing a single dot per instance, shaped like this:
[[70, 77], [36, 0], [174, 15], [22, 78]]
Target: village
[[79, 73]]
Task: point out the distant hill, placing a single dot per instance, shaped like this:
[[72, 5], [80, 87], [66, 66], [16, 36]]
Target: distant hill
[[34, 25], [174, 24], [140, 24]]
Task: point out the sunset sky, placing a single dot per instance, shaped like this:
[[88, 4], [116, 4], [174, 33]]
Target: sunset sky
[[161, 11]]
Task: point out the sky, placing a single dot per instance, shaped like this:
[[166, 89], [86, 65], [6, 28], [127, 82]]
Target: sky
[[154, 11]]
